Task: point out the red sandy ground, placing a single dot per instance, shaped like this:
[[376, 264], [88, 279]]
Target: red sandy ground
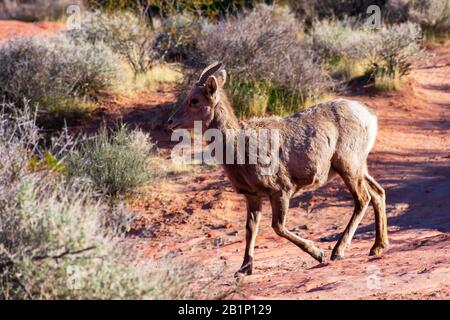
[[12, 28], [197, 217]]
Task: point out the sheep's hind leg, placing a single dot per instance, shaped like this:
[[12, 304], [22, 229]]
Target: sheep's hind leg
[[379, 207], [362, 198], [280, 206]]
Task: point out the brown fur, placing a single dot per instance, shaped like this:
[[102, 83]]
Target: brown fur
[[329, 139]]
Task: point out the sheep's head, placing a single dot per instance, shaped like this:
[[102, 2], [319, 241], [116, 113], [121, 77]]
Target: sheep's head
[[201, 100]]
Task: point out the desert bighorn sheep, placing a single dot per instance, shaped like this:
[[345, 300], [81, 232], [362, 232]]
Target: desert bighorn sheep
[[329, 139]]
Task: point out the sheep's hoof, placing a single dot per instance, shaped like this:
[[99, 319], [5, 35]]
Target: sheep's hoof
[[336, 256], [377, 249], [246, 269], [243, 272], [321, 257]]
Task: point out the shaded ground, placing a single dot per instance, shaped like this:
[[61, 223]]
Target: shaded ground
[[198, 217]]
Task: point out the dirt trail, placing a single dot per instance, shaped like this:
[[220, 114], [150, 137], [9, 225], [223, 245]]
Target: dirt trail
[[200, 218]]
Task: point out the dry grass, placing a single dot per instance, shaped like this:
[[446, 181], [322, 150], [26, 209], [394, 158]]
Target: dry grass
[[387, 83], [148, 81]]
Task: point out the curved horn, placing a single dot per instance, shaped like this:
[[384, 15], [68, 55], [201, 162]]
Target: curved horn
[[209, 71]]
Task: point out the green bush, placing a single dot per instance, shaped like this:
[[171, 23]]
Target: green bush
[[117, 163]]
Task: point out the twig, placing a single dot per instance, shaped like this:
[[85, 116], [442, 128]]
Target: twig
[[65, 253]]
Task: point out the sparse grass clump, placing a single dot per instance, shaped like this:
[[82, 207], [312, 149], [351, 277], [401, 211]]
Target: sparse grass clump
[[57, 75], [116, 163], [58, 241], [270, 67], [387, 83]]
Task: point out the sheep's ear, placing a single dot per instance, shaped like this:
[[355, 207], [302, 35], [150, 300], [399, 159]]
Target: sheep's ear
[[211, 85], [222, 77]]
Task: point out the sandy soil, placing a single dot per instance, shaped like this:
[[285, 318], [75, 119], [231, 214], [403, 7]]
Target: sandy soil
[[197, 216]]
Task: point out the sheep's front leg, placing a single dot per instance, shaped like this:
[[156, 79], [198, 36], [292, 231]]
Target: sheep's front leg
[[280, 206], [253, 216]]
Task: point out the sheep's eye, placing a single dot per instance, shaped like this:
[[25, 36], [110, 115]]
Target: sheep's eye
[[194, 102]]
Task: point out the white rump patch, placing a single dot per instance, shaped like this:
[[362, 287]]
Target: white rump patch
[[366, 117]]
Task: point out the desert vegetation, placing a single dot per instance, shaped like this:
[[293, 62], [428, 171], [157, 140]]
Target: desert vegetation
[[59, 238], [115, 164], [58, 76], [278, 63], [65, 194]]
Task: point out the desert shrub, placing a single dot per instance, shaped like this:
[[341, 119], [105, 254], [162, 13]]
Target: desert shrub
[[432, 15], [391, 52], [309, 11], [396, 11], [125, 33], [46, 71], [211, 9], [117, 163], [349, 49], [262, 50], [53, 244], [114, 5], [35, 10], [177, 39], [337, 43], [86, 69]]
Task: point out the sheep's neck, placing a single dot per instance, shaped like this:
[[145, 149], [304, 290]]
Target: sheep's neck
[[224, 118]]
